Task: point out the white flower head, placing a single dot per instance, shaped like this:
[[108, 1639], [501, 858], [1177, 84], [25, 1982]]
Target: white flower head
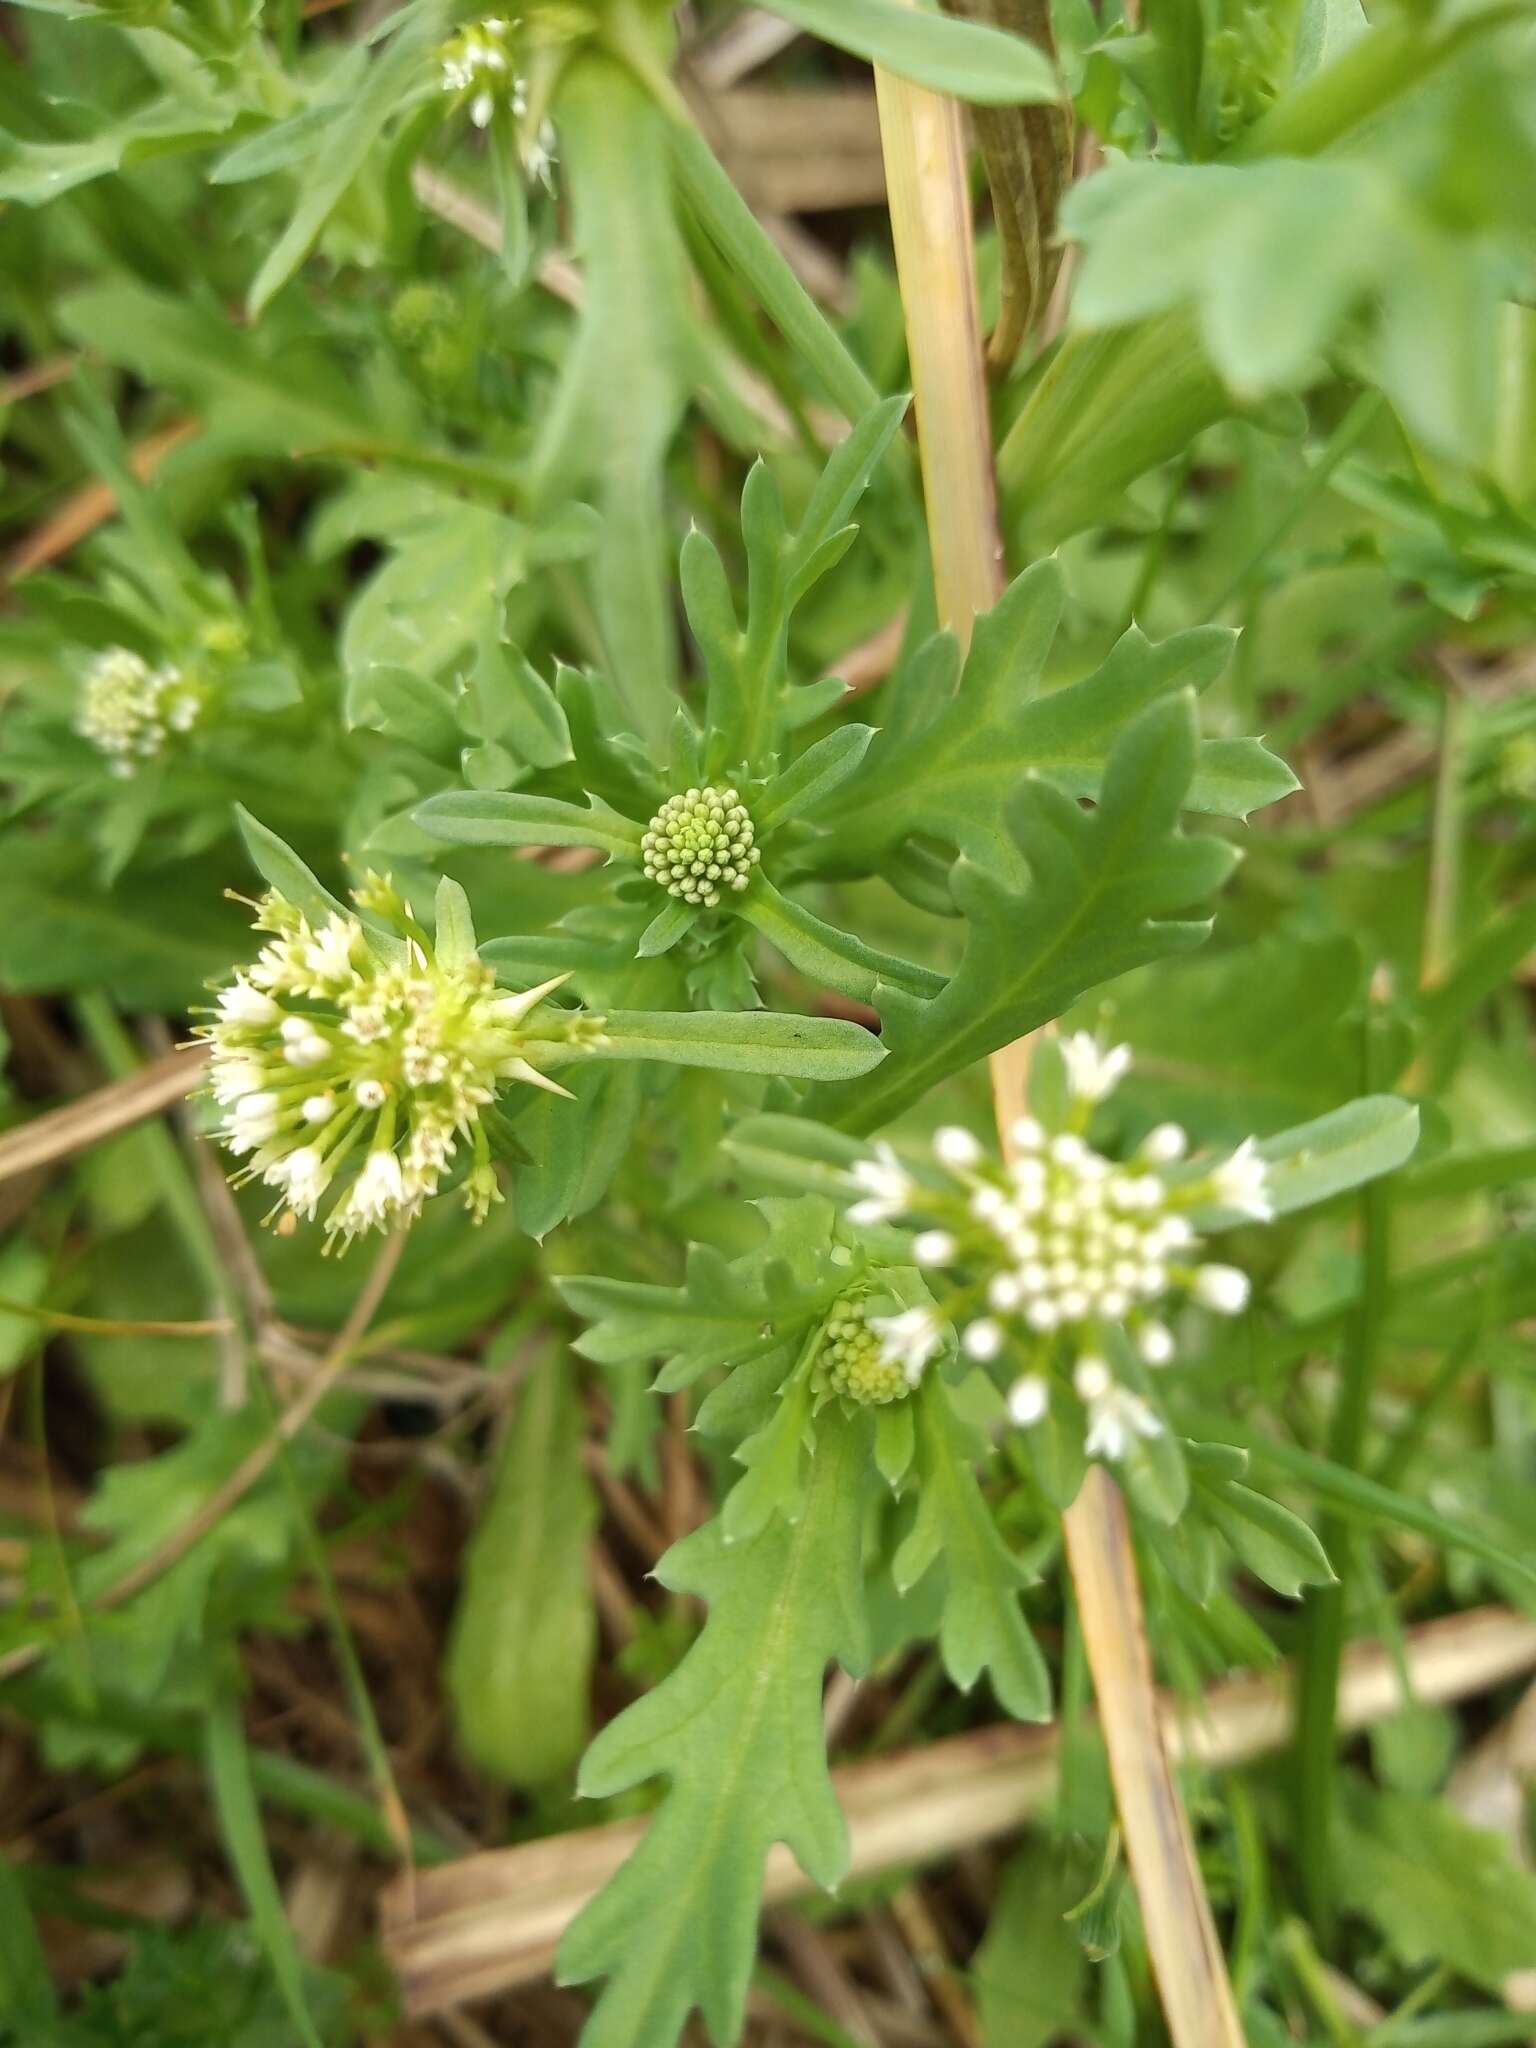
[[129, 711], [1242, 1183], [1155, 1343], [1223, 1289], [909, 1339], [375, 1112], [956, 1148], [982, 1340], [888, 1187], [242, 1004], [1092, 1072], [1116, 1418], [1165, 1145], [303, 1176], [934, 1248], [1029, 1399]]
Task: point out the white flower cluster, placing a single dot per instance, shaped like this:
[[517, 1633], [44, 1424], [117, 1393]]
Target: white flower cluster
[[477, 64], [1060, 1246], [129, 710], [327, 1058], [700, 843]]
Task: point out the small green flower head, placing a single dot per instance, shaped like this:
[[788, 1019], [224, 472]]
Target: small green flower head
[[336, 1067], [852, 1362], [478, 64], [133, 713], [699, 844]]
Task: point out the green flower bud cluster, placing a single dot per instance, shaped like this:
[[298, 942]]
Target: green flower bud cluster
[[852, 1361], [699, 844]]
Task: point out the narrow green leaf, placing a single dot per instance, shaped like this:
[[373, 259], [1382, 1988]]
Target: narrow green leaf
[[475, 817], [1363, 1500], [1315, 1161], [745, 1042], [454, 930], [282, 870], [819, 770], [666, 928], [234, 1796], [1275, 1545], [968, 59], [832, 958], [745, 244], [27, 1996]]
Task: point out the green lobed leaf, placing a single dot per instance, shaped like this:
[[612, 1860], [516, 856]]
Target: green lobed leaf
[[404, 704], [520, 1660], [1275, 1545], [737, 1731], [983, 1627], [1442, 1891], [493, 817], [506, 699], [1099, 896], [952, 774], [969, 59]]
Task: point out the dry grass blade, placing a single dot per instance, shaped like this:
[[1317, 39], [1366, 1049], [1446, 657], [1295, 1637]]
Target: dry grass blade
[[494, 1920], [1181, 1934], [59, 1133]]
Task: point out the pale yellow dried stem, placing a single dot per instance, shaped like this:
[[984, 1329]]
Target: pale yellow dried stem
[[924, 147], [931, 226], [59, 1133]]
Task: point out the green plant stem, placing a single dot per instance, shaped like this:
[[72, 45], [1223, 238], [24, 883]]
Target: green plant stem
[[1156, 549], [1350, 429], [1442, 909], [1296, 1945], [1324, 1621]]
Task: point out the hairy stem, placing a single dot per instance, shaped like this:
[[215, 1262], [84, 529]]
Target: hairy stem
[[931, 226]]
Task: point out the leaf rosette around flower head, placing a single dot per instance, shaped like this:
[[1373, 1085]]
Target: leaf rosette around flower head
[[341, 1072]]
